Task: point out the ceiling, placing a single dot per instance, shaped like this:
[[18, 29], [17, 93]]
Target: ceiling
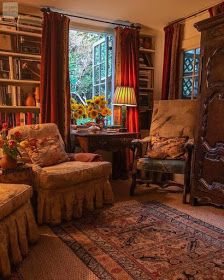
[[152, 13]]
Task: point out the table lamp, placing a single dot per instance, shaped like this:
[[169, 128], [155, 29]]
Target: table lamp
[[124, 96]]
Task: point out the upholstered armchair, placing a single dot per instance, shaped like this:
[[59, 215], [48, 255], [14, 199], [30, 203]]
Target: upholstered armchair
[[169, 144], [64, 188]]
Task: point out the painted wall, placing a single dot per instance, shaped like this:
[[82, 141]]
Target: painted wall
[[190, 36]]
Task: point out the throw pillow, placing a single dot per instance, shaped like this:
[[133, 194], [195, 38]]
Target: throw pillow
[[167, 148], [46, 151]]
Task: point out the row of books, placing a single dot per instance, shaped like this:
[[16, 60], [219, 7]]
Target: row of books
[[146, 78], [19, 69], [11, 96], [145, 60], [23, 23], [17, 119]]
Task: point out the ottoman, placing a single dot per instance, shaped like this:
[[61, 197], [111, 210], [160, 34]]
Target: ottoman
[[17, 225]]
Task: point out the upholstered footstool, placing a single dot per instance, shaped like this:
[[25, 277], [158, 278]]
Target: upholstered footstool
[[17, 225]]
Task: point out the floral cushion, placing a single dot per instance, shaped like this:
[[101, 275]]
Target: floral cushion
[[46, 151], [35, 131], [12, 196], [167, 148]]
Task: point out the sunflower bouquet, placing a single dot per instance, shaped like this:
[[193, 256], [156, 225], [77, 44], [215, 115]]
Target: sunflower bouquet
[[78, 111], [97, 108]]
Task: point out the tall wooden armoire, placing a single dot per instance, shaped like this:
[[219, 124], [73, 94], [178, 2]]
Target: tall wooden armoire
[[208, 166]]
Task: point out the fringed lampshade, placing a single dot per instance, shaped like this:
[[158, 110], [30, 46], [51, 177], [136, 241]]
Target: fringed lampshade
[[124, 96]]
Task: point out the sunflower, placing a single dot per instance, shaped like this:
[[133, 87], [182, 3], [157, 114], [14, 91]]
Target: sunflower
[[93, 114], [75, 115], [90, 108], [104, 112], [102, 103], [97, 100], [80, 112], [73, 100], [74, 106]]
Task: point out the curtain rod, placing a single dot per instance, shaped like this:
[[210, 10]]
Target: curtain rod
[[192, 15], [133, 25]]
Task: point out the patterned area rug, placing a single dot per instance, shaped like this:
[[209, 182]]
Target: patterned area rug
[[144, 241]]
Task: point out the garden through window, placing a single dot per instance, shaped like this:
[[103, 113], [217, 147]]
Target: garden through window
[[91, 67], [190, 81]]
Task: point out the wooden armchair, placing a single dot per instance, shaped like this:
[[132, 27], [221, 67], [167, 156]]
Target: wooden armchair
[[171, 119]]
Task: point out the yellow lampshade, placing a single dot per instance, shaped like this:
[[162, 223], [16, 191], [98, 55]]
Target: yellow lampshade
[[125, 96]]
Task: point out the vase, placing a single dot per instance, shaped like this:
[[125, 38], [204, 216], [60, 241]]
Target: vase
[[8, 162], [30, 100], [100, 122]]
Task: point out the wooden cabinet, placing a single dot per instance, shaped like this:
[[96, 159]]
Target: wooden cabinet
[[208, 169], [146, 79], [20, 47]]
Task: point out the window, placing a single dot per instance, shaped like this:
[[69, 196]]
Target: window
[[91, 66], [191, 60]]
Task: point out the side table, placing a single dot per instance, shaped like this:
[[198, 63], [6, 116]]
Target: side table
[[22, 174], [117, 143]]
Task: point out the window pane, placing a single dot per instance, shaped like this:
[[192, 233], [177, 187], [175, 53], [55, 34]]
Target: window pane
[[187, 87], [197, 61], [103, 71], [102, 89], [103, 52], [188, 62], [97, 74], [97, 54], [198, 51], [196, 84]]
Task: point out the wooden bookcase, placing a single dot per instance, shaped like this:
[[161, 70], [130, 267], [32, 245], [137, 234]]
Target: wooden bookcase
[[20, 54], [146, 79]]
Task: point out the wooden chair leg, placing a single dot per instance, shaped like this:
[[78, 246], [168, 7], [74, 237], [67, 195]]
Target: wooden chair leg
[[133, 184], [193, 201]]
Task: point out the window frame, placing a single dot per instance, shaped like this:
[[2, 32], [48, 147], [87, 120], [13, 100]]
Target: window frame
[[100, 29]]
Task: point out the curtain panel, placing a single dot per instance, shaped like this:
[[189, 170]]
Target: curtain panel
[[216, 10], [54, 79], [171, 64], [126, 69]]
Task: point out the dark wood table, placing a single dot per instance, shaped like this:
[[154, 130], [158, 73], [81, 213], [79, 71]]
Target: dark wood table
[[116, 142], [22, 174]]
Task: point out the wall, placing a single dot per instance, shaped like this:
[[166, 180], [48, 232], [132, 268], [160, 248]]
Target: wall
[[190, 36]]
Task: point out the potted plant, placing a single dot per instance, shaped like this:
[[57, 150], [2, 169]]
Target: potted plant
[[78, 111], [97, 109], [9, 146]]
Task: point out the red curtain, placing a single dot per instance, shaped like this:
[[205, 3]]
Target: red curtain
[[54, 80], [167, 61], [170, 82], [127, 53], [216, 10]]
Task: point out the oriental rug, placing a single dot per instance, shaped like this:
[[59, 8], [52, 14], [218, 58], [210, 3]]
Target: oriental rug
[[143, 241]]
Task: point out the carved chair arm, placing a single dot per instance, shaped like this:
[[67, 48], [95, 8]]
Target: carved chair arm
[[189, 146]]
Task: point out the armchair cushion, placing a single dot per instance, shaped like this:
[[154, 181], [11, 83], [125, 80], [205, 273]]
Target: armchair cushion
[[69, 174], [167, 148], [46, 151], [161, 165]]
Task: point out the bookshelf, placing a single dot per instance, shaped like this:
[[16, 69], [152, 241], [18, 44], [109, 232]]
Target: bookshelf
[[146, 79], [20, 55]]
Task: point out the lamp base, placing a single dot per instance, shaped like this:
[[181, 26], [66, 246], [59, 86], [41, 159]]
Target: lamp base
[[124, 114]]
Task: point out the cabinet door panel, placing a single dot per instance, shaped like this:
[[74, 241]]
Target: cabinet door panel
[[208, 167]]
